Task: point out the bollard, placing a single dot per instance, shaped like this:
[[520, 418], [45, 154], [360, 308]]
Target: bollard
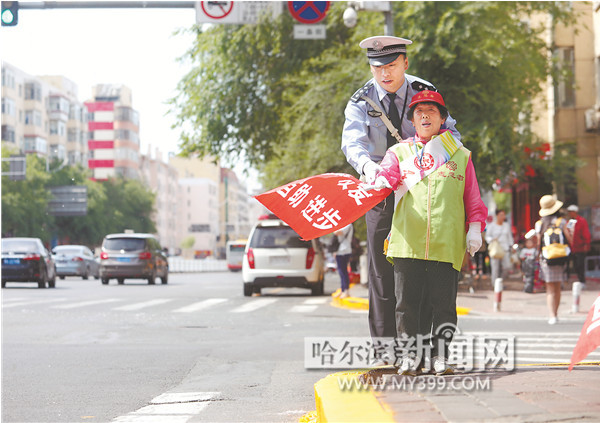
[[497, 294], [576, 296]]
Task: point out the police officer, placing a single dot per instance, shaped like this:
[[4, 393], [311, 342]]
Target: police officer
[[365, 139]]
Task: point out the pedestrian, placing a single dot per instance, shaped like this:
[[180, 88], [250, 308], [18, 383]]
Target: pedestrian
[[499, 238], [528, 256], [578, 233], [342, 257], [479, 260], [365, 138], [552, 274], [437, 196]]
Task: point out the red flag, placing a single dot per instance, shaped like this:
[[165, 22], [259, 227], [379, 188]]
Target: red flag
[[589, 339], [321, 204]]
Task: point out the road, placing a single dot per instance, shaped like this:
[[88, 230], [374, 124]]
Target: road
[[94, 353], [193, 350]]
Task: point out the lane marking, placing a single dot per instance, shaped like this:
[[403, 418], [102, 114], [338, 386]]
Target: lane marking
[[316, 301], [201, 305], [87, 303], [178, 407], [145, 304], [25, 303], [254, 305], [303, 308]]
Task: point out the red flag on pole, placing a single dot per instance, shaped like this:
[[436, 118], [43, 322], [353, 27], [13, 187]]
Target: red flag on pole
[[589, 339], [321, 204]]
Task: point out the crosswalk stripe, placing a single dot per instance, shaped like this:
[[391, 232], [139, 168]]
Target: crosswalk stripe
[[145, 304], [87, 303], [200, 305], [170, 408], [317, 301], [25, 303], [254, 305], [303, 308]]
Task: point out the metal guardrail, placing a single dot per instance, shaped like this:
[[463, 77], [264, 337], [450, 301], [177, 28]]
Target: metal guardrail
[[181, 265]]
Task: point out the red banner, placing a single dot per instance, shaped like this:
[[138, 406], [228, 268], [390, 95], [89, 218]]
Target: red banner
[[321, 204], [589, 339]]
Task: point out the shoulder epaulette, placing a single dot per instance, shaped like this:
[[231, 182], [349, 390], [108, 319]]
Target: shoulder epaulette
[[361, 91], [420, 86]]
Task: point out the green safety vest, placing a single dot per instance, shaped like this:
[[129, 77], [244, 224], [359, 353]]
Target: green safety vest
[[429, 220]]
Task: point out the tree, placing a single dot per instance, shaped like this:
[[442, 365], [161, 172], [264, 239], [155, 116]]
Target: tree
[[255, 92], [113, 205]]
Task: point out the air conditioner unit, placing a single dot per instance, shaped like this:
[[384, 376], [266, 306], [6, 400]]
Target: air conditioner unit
[[591, 120]]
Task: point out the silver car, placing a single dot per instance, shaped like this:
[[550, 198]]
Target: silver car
[[75, 260], [275, 256]]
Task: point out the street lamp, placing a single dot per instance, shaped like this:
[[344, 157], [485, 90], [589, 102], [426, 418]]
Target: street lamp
[[350, 16]]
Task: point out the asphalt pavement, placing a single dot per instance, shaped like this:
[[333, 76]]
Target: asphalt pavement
[[521, 392]]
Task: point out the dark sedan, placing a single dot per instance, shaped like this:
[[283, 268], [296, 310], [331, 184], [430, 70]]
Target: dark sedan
[[27, 260]]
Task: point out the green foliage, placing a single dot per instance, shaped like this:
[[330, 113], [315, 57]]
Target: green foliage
[[188, 242], [255, 92], [113, 205]]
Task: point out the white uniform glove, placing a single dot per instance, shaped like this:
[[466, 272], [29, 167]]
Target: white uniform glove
[[380, 183], [474, 238], [370, 170]]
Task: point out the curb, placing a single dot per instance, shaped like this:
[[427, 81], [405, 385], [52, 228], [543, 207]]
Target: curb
[[358, 303], [335, 404]]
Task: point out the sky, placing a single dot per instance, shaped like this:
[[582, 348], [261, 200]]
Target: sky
[[133, 47]]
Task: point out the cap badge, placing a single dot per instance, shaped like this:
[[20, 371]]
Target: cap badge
[[377, 45]]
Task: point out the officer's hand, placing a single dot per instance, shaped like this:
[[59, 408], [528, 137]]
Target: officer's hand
[[370, 170], [474, 238]]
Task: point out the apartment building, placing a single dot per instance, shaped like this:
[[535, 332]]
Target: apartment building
[[42, 115], [214, 205], [568, 111], [162, 179], [114, 141]]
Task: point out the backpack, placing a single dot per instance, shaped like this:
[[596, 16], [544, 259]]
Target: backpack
[[554, 246]]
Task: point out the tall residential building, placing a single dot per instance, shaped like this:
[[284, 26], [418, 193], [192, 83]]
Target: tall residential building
[[42, 115], [162, 179], [114, 140], [214, 205], [568, 111]]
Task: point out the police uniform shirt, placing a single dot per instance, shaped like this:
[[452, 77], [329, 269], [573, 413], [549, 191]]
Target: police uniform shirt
[[364, 137]]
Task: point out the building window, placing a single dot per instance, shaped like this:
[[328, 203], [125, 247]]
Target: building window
[[8, 78], [35, 145], [8, 133], [33, 117], [8, 106], [564, 88], [33, 91]]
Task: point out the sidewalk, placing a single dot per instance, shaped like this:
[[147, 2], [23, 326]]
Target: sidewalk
[[533, 393]]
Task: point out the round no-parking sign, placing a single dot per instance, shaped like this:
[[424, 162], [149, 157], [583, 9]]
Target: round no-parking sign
[[217, 9], [308, 12]]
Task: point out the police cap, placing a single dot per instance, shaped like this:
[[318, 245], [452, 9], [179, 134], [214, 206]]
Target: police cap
[[384, 49]]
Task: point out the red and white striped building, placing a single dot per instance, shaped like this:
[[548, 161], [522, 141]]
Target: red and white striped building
[[113, 133]]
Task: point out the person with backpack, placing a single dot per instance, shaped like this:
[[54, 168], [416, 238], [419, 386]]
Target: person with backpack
[[554, 251]]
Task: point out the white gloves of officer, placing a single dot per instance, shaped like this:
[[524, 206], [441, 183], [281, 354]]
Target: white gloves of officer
[[474, 238], [370, 170]]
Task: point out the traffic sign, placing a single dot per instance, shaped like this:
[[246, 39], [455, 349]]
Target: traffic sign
[[216, 9], [308, 12], [310, 32], [235, 12]]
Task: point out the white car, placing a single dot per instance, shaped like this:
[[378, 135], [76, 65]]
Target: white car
[[275, 256]]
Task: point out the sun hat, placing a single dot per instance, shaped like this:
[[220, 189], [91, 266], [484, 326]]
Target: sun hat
[[549, 205]]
